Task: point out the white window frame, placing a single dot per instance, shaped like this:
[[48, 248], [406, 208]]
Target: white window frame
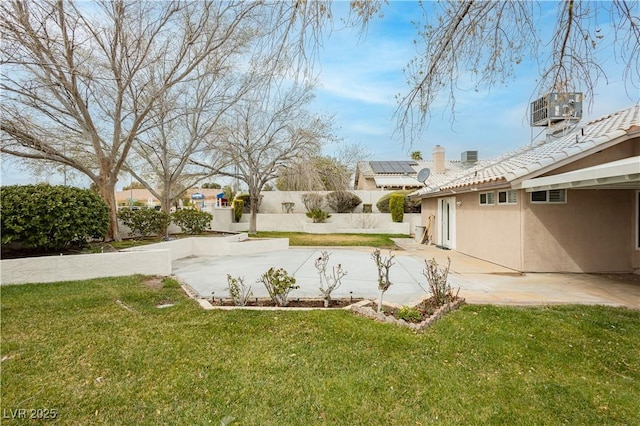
[[546, 200], [488, 195], [508, 199]]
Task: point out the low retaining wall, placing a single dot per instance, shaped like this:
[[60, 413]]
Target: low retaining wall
[[152, 259], [48, 269], [217, 246]]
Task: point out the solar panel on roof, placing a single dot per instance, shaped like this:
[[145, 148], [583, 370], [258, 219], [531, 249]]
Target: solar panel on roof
[[393, 167]]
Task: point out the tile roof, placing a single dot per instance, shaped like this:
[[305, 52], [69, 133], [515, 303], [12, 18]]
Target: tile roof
[[529, 159], [452, 168]]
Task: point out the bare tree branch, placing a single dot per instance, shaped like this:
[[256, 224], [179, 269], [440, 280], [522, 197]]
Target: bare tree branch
[[486, 40]]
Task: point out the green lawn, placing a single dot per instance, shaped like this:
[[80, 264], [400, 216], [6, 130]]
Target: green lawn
[[100, 352], [351, 240]]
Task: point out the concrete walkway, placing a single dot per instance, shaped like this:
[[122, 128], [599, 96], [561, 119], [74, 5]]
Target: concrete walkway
[[479, 281]]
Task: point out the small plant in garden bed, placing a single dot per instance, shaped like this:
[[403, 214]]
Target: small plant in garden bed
[[328, 282], [414, 314], [278, 283], [409, 313], [439, 287], [383, 264], [240, 292]]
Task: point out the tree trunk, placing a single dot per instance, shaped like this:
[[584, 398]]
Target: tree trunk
[[254, 199], [380, 301], [165, 206], [107, 192]]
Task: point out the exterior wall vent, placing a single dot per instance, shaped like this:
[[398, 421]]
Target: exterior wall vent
[[555, 107], [469, 156]]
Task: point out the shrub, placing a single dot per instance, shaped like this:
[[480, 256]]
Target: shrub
[[313, 202], [51, 217], [192, 221], [396, 206], [318, 215], [343, 201], [328, 282], [437, 280], [410, 206], [245, 198], [409, 313], [238, 290], [144, 222], [278, 283], [238, 206]]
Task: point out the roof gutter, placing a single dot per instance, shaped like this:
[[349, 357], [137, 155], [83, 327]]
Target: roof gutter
[[462, 190]]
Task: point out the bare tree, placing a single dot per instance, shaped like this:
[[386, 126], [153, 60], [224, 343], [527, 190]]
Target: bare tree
[[488, 39], [264, 133], [319, 173], [81, 81], [185, 122], [324, 173]]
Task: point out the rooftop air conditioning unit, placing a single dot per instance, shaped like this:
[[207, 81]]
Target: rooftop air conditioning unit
[[556, 107], [469, 156]]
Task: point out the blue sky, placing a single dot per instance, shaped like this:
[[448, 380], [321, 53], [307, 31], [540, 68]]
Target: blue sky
[[360, 76]]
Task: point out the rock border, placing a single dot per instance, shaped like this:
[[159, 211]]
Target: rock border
[[363, 308], [360, 308]]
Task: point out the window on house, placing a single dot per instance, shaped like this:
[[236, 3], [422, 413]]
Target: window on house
[[487, 199], [507, 197], [551, 196]]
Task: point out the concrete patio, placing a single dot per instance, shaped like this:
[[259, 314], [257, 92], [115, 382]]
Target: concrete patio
[[479, 281]]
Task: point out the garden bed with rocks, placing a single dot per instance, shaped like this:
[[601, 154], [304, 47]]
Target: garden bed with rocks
[[429, 313]]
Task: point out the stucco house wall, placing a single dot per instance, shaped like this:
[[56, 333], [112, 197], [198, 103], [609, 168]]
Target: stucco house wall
[[429, 207], [592, 232], [533, 237], [490, 232]]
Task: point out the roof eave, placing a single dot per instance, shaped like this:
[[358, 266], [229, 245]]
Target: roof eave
[[631, 133]]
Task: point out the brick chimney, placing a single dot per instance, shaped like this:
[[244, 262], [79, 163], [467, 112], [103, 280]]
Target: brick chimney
[[438, 159]]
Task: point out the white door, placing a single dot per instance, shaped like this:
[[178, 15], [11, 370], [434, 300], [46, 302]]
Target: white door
[[447, 228]]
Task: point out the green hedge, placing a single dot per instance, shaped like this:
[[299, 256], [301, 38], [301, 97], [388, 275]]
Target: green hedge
[[192, 221], [410, 206], [396, 206], [51, 217], [144, 222], [238, 208]]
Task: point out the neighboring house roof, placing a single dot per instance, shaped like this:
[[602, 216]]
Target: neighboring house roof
[[366, 171], [539, 157]]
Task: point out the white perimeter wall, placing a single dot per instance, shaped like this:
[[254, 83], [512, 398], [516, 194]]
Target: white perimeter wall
[[272, 218], [359, 223], [48, 269], [272, 200], [152, 259]]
